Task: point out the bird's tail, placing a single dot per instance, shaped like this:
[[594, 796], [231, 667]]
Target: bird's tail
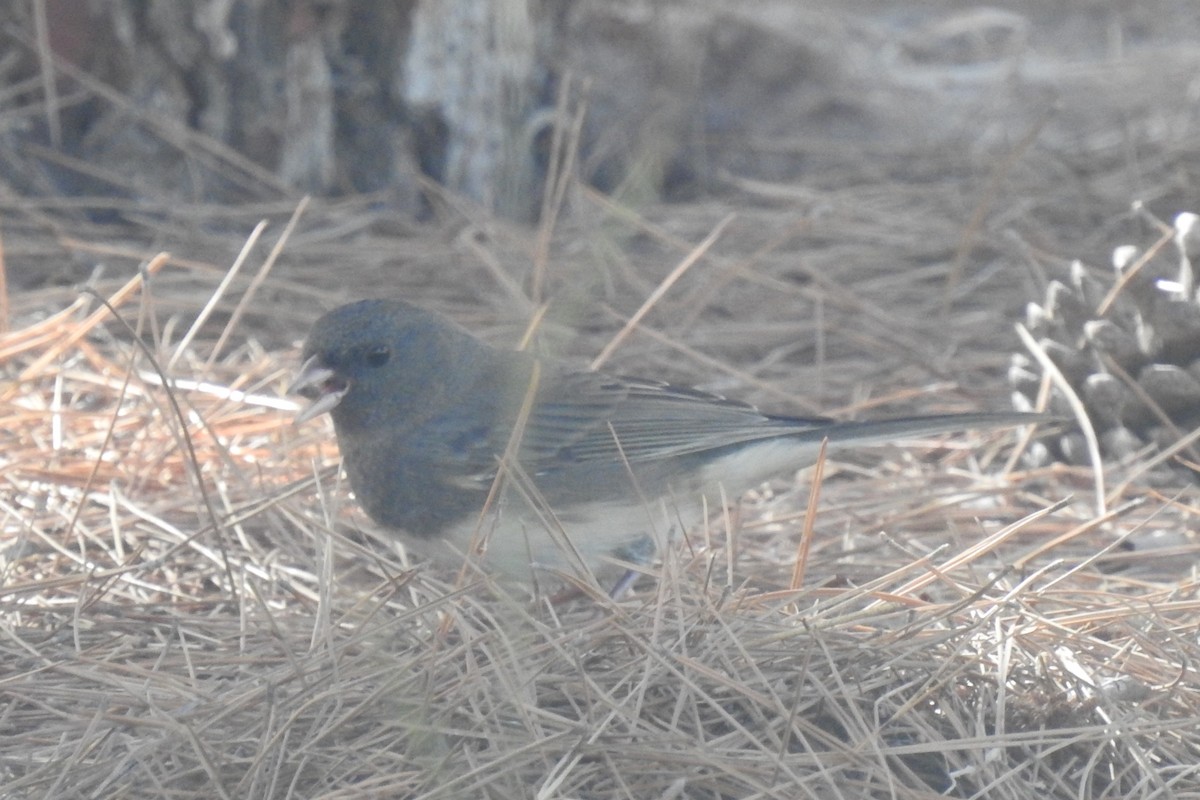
[[865, 432]]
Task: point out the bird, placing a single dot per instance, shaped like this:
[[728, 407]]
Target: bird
[[596, 471]]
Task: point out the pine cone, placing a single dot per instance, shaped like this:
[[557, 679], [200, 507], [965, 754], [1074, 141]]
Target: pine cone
[[1129, 346]]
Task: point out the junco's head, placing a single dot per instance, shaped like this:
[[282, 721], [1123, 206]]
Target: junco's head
[[605, 467], [378, 357]]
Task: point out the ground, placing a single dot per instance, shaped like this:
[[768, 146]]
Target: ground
[[193, 606]]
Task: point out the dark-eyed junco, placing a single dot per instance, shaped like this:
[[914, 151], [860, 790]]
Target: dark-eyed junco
[[598, 470]]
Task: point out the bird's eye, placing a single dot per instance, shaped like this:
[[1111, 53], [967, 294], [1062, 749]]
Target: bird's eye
[[378, 356]]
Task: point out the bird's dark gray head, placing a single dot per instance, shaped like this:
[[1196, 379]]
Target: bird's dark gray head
[[378, 356]]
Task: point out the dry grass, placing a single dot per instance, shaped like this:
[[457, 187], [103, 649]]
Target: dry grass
[[191, 609], [191, 606]]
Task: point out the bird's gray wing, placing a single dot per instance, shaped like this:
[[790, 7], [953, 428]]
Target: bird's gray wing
[[586, 417]]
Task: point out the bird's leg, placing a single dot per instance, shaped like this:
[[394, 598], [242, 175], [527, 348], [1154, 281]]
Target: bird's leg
[[624, 583], [640, 551]]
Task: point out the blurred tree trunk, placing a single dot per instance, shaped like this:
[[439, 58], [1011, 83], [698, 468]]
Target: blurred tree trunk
[[470, 70], [225, 100]]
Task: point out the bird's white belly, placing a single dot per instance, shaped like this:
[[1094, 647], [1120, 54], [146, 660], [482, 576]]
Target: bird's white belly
[[519, 540], [521, 545]]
